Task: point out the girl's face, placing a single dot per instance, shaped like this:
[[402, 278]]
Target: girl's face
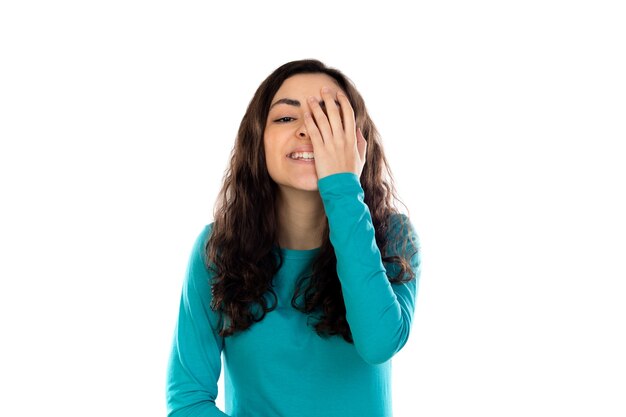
[[285, 132]]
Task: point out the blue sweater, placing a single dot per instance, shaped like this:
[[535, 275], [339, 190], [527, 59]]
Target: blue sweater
[[280, 367]]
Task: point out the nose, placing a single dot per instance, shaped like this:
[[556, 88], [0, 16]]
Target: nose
[[301, 132]]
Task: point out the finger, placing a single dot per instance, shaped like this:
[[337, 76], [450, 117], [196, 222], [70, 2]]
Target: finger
[[349, 123], [320, 119], [361, 144], [332, 111], [314, 133]]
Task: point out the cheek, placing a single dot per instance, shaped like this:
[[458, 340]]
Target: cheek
[[272, 157]]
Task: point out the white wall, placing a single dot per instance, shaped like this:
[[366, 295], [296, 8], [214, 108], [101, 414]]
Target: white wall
[[502, 121]]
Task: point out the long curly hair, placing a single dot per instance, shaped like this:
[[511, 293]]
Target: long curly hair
[[241, 250]]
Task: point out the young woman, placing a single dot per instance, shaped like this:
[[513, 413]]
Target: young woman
[[306, 280]]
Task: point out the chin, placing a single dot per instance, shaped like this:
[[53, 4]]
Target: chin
[[303, 184], [307, 185]]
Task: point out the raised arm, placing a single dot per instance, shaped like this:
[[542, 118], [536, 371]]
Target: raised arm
[[195, 361], [379, 313]]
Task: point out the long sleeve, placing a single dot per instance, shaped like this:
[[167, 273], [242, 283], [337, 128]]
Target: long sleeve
[[379, 313], [195, 361]]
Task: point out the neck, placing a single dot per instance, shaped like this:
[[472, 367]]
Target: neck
[[301, 219]]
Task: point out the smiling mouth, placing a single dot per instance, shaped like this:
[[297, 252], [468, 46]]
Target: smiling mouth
[[301, 156]]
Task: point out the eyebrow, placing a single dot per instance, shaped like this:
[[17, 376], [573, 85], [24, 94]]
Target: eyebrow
[[288, 101], [296, 103]]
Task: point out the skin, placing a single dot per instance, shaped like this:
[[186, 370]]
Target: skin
[[336, 143]]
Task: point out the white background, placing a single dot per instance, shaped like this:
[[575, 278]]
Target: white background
[[503, 123]]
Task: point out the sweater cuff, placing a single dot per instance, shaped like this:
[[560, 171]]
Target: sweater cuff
[[340, 184], [344, 203]]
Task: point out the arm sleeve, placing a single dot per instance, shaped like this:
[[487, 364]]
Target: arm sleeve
[[195, 360], [379, 313]]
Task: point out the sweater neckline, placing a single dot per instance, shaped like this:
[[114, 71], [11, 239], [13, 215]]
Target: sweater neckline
[[298, 253]]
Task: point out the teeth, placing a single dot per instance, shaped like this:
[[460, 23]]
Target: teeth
[[302, 155]]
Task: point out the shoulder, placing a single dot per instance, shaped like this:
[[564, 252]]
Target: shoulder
[[402, 238], [402, 241], [206, 231], [401, 227], [205, 234], [200, 244]]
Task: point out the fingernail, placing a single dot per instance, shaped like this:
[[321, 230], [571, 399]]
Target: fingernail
[[325, 89]]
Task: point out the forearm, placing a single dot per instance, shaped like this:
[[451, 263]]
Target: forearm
[[380, 322]]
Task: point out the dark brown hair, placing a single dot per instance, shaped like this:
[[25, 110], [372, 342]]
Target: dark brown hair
[[241, 250]]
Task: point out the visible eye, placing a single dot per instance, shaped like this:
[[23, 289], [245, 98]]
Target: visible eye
[[285, 119]]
